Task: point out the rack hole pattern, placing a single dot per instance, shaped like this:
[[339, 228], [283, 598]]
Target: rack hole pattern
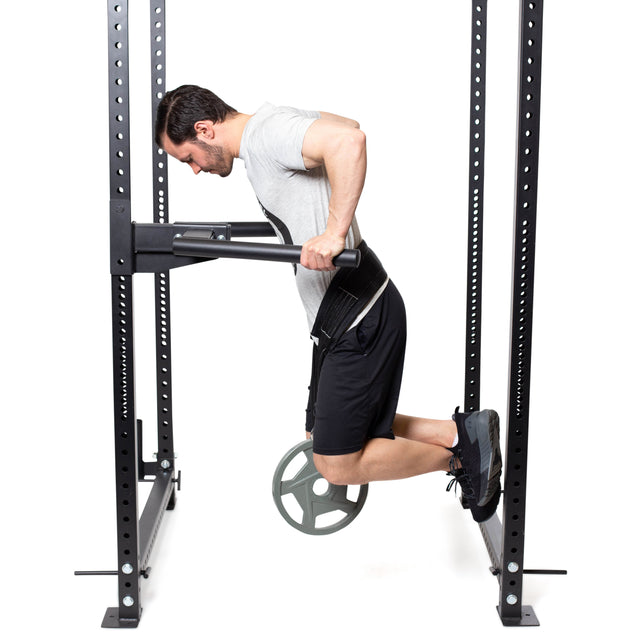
[[163, 366], [526, 202], [118, 94], [126, 366], [522, 303], [158, 65], [161, 215], [476, 202], [119, 138], [126, 442]]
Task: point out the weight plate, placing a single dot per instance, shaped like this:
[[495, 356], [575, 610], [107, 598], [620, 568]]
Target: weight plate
[[314, 502]]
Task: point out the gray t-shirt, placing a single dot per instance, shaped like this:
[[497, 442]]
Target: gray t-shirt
[[294, 199]]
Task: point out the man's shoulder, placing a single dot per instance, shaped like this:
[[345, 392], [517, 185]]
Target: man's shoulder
[[277, 133], [278, 115]]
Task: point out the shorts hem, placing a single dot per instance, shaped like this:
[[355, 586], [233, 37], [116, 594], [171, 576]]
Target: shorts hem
[[348, 450]]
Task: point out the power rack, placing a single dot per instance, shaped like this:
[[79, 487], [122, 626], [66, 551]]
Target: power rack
[[161, 246], [505, 539]]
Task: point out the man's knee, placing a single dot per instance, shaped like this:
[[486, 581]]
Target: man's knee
[[339, 470]]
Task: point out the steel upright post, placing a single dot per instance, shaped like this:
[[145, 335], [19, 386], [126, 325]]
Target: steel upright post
[[505, 540], [476, 203], [510, 607], [127, 613], [166, 455]]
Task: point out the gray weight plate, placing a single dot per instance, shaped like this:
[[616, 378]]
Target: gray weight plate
[[314, 502]]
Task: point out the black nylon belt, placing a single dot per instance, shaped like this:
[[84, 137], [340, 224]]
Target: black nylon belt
[[348, 294]]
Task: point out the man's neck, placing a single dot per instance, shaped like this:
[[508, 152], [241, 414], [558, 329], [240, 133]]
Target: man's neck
[[234, 128]]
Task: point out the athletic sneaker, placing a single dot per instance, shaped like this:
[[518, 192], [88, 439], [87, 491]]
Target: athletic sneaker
[[478, 454], [480, 514]]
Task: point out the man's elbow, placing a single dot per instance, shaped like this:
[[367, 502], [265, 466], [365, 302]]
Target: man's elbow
[[357, 141], [346, 145]]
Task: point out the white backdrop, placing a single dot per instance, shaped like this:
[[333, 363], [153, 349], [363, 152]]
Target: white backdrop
[[413, 564]]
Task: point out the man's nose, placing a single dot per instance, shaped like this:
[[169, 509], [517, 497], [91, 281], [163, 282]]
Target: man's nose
[[195, 168]]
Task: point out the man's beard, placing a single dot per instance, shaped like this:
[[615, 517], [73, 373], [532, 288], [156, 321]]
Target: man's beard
[[216, 161]]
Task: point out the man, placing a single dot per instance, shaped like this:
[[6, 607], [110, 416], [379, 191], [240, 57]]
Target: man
[[308, 169]]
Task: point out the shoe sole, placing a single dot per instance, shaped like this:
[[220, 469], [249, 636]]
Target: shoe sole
[[485, 425], [482, 514]]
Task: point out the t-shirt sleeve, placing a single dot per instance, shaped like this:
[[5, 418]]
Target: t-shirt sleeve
[[283, 136]]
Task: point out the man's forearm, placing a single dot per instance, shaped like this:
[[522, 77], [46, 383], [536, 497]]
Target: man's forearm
[[346, 168]]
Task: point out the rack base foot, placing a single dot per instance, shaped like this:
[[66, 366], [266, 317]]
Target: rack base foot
[[113, 621], [528, 619]]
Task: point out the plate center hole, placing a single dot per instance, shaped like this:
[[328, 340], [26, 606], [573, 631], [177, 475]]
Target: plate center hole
[[320, 487]]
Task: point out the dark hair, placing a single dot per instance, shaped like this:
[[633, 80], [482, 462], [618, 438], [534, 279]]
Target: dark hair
[[181, 108]]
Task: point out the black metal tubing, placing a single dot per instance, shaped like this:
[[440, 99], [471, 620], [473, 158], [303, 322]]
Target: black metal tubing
[[200, 247], [510, 606], [151, 519], [126, 457], [128, 611], [157, 22], [251, 230], [477, 103], [210, 240], [492, 529], [119, 139], [492, 533], [164, 401], [158, 238]]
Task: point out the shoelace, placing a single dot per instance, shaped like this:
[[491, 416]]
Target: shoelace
[[460, 478]]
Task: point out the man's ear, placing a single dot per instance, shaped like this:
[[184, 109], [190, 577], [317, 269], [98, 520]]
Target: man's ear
[[205, 129]]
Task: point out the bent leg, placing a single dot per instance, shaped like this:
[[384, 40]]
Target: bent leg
[[439, 432], [383, 459]]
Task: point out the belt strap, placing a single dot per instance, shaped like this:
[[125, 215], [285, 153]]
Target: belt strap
[[347, 296]]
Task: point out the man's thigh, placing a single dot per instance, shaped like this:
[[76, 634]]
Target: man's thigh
[[359, 383]]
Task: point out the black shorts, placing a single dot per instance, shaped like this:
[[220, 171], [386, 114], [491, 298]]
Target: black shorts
[[359, 383]]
